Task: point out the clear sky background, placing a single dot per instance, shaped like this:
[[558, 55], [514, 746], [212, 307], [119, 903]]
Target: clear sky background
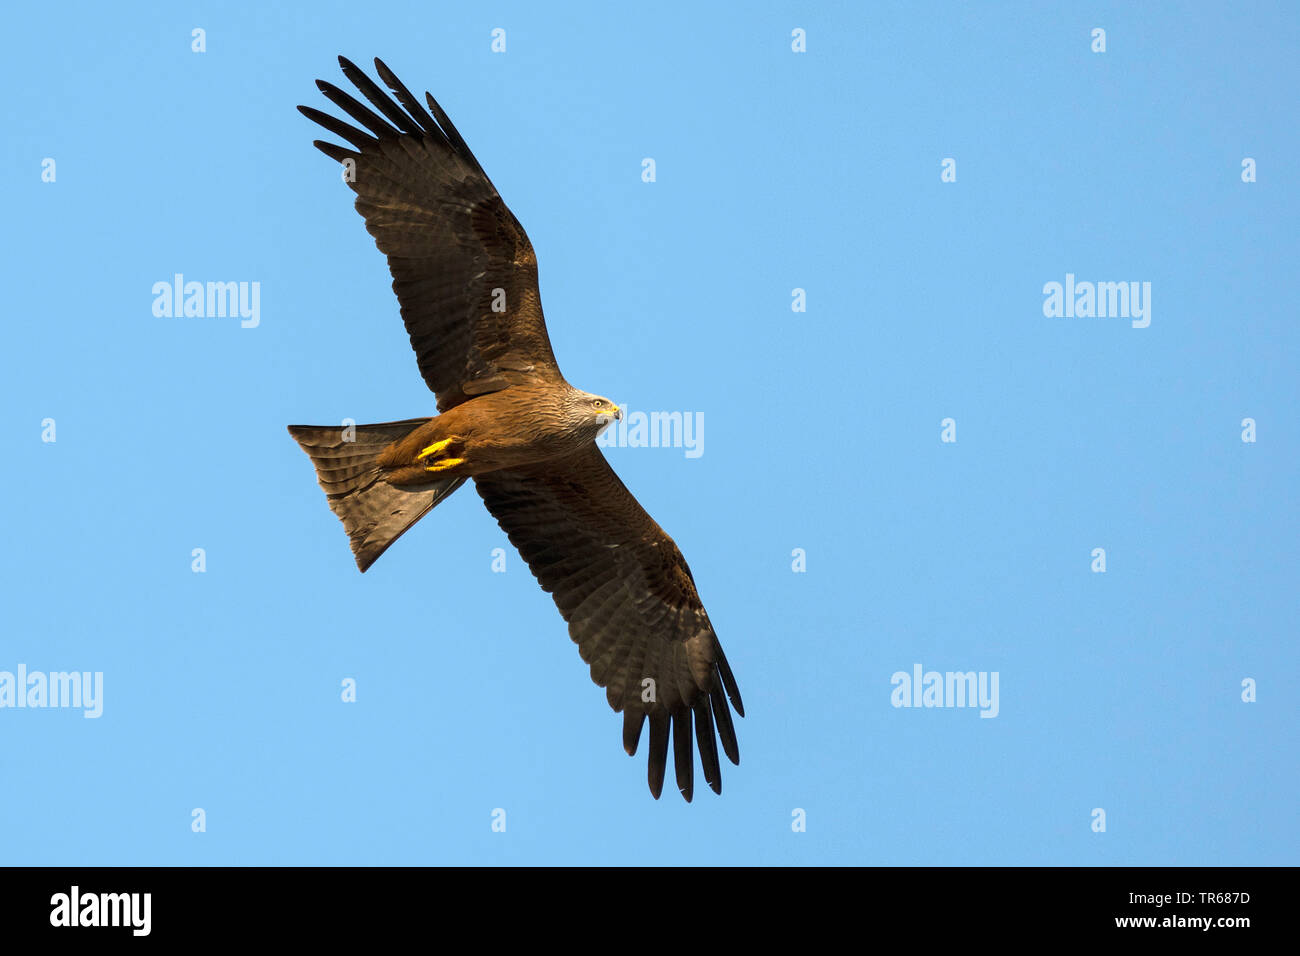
[[775, 171]]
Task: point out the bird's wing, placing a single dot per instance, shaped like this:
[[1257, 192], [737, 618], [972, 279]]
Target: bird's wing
[[631, 604], [463, 269]]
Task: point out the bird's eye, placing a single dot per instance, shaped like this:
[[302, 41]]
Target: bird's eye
[[598, 403]]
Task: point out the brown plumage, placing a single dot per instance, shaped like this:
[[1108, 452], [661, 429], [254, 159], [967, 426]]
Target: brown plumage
[[465, 276]]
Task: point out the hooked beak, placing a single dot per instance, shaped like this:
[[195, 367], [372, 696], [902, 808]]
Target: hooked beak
[[605, 419]]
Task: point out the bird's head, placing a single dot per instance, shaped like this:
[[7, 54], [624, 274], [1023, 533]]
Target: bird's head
[[592, 412]]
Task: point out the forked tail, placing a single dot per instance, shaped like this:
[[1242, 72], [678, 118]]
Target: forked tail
[[374, 513]]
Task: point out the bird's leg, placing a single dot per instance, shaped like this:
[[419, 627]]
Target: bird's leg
[[438, 451], [434, 449]]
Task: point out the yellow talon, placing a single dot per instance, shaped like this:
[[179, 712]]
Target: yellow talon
[[445, 464], [434, 448]]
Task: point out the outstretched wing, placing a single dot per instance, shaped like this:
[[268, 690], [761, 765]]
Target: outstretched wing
[[463, 269], [631, 604]]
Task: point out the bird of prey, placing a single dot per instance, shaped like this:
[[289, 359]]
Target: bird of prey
[[465, 276]]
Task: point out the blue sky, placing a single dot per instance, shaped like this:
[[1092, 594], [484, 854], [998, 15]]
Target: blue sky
[[775, 171]]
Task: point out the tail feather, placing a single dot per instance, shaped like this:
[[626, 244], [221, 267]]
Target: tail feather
[[374, 513]]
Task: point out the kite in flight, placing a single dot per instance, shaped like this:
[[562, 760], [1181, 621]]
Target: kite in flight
[[465, 276]]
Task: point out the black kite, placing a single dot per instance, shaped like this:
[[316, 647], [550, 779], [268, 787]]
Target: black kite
[[465, 276]]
